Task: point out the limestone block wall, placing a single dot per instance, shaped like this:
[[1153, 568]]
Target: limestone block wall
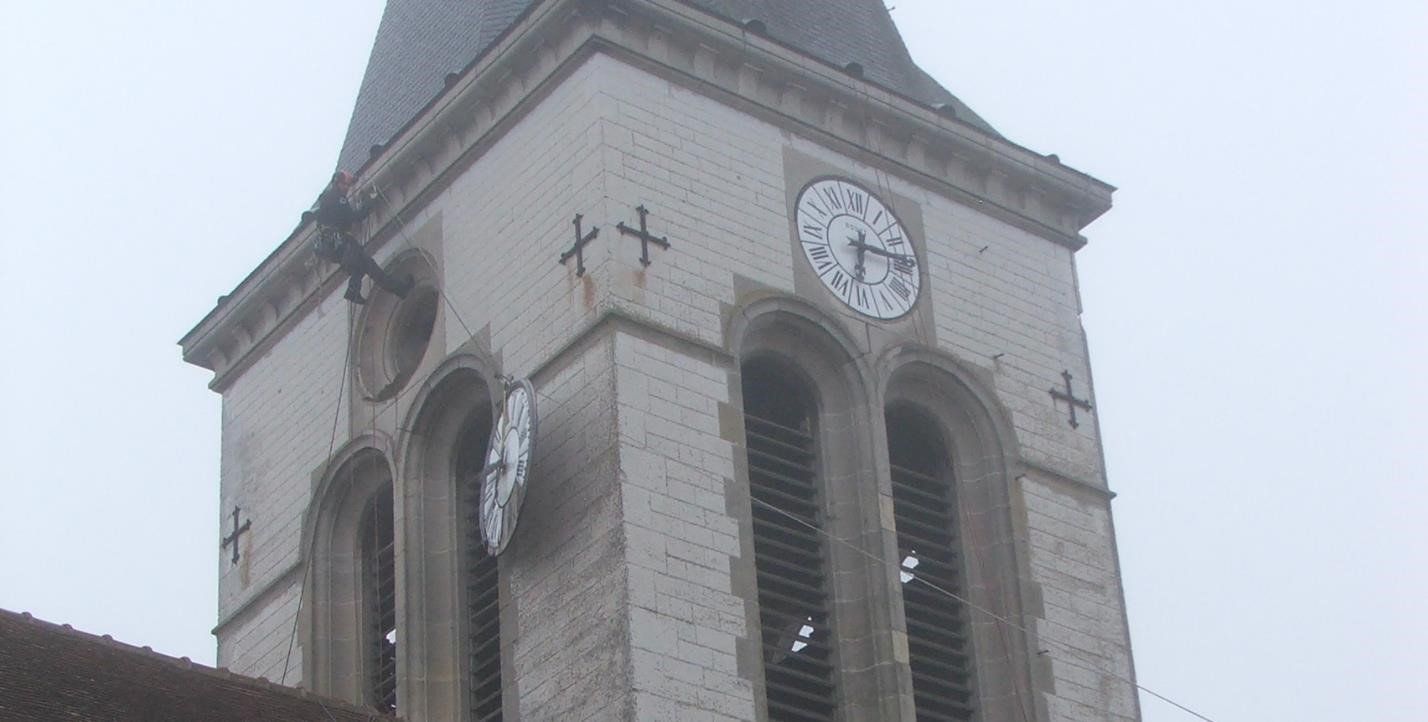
[[620, 597], [278, 421], [567, 630], [685, 618], [1073, 555], [1000, 299], [494, 235]]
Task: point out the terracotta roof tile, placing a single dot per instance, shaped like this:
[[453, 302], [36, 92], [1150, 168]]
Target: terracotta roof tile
[[52, 672]]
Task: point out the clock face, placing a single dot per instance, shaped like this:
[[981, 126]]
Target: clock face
[[858, 248], [508, 464]]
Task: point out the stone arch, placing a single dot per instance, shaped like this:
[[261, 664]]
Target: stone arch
[[334, 661], [446, 433], [977, 434], [813, 348]]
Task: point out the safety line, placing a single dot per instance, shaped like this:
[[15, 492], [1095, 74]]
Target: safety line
[[883, 181], [332, 445], [307, 560], [402, 230], [987, 612]]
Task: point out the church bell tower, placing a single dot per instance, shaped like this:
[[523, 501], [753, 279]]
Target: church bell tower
[[742, 378]]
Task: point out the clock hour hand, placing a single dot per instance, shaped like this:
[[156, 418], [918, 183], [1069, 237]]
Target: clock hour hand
[[493, 466], [901, 259]]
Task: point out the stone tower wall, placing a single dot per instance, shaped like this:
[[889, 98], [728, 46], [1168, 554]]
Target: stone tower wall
[[627, 588]]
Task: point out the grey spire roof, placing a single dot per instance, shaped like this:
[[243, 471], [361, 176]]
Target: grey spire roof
[[420, 41]]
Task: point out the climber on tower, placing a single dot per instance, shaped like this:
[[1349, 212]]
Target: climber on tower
[[336, 217]]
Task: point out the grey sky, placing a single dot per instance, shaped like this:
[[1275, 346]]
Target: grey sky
[[1255, 304]]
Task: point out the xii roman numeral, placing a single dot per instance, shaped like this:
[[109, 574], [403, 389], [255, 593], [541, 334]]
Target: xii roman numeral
[[857, 202]]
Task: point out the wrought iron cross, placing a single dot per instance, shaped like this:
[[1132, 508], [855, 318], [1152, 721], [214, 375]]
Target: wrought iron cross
[[578, 250], [237, 530], [1070, 399], [644, 235]]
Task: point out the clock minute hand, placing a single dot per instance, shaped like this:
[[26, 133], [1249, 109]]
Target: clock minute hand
[[860, 269]]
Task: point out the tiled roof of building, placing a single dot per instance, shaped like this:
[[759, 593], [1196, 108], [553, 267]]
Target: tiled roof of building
[[419, 42], [52, 672]]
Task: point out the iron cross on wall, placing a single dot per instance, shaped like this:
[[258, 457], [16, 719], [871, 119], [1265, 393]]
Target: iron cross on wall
[[578, 250], [1070, 399], [644, 235], [237, 530]]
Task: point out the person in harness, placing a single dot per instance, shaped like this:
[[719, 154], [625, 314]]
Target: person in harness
[[337, 216]]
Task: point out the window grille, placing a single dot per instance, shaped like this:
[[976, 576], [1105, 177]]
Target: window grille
[[483, 609], [481, 587], [789, 555], [379, 565], [925, 512]]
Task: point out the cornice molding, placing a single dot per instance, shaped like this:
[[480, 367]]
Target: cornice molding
[[684, 44]]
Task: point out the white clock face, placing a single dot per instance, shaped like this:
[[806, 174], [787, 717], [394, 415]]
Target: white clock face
[[508, 464], [858, 248]]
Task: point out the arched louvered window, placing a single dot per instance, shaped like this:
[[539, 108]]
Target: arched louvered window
[[481, 601], [925, 512], [789, 551], [379, 601]]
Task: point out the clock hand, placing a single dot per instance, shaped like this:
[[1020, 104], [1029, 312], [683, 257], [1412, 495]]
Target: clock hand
[[901, 257], [858, 243]]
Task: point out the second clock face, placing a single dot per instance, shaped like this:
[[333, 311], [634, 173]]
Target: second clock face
[[508, 463], [858, 248]]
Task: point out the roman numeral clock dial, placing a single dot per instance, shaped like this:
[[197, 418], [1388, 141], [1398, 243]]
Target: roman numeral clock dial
[[858, 248], [508, 462]]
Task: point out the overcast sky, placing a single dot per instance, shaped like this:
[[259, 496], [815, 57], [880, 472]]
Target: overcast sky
[[1255, 302]]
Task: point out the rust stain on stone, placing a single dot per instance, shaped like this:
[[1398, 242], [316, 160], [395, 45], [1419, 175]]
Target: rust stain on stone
[[245, 572], [588, 285]]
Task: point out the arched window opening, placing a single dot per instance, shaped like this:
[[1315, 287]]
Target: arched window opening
[[789, 551], [925, 512], [379, 586], [480, 588]]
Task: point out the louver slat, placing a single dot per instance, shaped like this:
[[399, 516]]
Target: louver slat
[[938, 643], [483, 620], [381, 563], [788, 556]]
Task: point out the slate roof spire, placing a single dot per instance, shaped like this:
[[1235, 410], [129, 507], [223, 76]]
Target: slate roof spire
[[420, 41]]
